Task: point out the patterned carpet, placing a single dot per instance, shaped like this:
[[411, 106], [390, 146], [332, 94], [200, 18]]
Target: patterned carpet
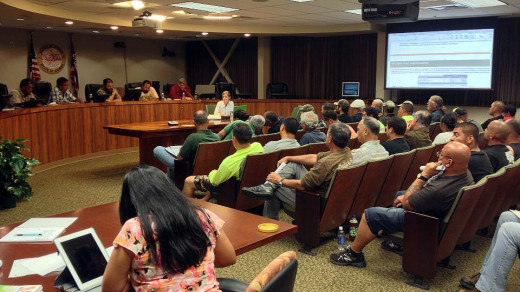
[[96, 179]]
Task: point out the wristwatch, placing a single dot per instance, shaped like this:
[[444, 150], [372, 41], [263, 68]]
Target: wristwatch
[[281, 182], [422, 177]]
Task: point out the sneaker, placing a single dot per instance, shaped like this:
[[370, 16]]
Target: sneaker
[[258, 192], [348, 258], [469, 283], [392, 246]]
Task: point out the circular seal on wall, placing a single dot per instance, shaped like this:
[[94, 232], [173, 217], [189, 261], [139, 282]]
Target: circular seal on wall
[[51, 59]]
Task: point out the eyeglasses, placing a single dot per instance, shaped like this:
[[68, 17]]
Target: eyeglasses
[[439, 154]]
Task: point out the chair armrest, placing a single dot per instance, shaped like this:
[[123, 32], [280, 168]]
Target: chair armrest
[[308, 217], [421, 233], [231, 285], [180, 172], [226, 193]]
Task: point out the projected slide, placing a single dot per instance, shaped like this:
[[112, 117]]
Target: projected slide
[[440, 59]]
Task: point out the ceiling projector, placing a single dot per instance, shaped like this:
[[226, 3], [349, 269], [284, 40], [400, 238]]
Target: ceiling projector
[[145, 20]]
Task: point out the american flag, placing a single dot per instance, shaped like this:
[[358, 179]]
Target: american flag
[[32, 65], [73, 70]]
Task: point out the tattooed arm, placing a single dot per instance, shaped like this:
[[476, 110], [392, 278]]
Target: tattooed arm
[[416, 186]]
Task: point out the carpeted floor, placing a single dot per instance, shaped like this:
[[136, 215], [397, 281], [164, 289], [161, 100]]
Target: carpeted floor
[[96, 179]]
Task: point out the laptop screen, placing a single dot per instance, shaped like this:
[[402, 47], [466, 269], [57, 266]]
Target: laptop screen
[[85, 256]]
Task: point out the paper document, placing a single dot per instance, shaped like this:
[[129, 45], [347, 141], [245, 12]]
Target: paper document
[[278, 169], [214, 117], [174, 150], [38, 229]]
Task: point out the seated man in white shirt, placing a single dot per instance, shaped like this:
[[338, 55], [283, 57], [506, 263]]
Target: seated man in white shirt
[[23, 93], [61, 93], [368, 134], [225, 106], [148, 92]]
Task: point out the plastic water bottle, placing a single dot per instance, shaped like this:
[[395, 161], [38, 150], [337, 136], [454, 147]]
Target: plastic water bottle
[[183, 95], [196, 96], [90, 98], [231, 115], [341, 239], [353, 226], [162, 95]]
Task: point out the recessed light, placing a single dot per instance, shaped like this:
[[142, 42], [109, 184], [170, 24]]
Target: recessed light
[[204, 33], [95, 31], [247, 35], [157, 17], [136, 34], [179, 12], [159, 31], [114, 27], [218, 17], [20, 19], [69, 22], [49, 27], [204, 7], [137, 5]]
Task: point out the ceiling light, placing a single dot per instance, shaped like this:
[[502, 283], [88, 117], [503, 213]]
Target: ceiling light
[[203, 7], [247, 35], [479, 3], [95, 31], [49, 27], [179, 12], [354, 11], [136, 34], [301, 0], [218, 17], [20, 19], [69, 22], [170, 17], [114, 27], [137, 5], [159, 31], [157, 17], [204, 33]]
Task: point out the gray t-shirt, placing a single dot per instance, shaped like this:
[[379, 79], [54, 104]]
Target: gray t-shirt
[[438, 193], [281, 144]]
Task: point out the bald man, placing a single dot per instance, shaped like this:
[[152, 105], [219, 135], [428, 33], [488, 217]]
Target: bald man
[[496, 110], [513, 140], [498, 152], [377, 103], [432, 193]]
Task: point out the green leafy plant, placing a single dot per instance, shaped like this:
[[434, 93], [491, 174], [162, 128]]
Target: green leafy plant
[[15, 169]]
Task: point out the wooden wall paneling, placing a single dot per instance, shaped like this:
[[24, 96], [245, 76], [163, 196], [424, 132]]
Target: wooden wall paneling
[[88, 129]]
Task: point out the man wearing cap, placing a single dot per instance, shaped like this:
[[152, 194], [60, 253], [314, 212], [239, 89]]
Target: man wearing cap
[[405, 111], [418, 134], [388, 111], [177, 91], [343, 106], [357, 107], [435, 106], [463, 117]]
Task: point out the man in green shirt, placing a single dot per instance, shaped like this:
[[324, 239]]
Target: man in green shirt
[[189, 149], [229, 167]]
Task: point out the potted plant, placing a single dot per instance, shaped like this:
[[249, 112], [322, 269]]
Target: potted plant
[[14, 171]]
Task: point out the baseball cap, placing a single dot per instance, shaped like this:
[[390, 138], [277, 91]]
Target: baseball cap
[[406, 101], [307, 108], [358, 103], [389, 103]]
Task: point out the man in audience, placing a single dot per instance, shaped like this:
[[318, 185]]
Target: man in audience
[[325, 107], [191, 144], [337, 106], [229, 167], [306, 108], [288, 140], [240, 116], [405, 111], [435, 106], [463, 117], [378, 103], [388, 111], [258, 122], [376, 114], [108, 91], [343, 107], [273, 121], [395, 129], [479, 164], [500, 257], [509, 112], [281, 187], [330, 117], [61, 93], [448, 122], [513, 140], [499, 154], [23, 93], [181, 90], [495, 110], [432, 193], [417, 133], [309, 122], [357, 107], [148, 92], [368, 135]]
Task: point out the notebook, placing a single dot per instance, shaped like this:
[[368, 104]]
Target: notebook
[[174, 150]]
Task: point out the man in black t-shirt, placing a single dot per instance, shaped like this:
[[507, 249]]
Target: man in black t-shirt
[[395, 129], [499, 154], [273, 121], [513, 140], [496, 110], [432, 193], [479, 164]]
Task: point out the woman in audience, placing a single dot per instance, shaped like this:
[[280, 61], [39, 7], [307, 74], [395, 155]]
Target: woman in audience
[[166, 243], [225, 106]]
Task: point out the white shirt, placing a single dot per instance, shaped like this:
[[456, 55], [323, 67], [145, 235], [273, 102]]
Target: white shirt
[[370, 150], [442, 138], [223, 109]]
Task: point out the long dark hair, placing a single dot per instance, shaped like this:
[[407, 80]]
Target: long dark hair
[[150, 195]]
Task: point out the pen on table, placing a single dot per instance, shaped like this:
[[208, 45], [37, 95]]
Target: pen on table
[[29, 234]]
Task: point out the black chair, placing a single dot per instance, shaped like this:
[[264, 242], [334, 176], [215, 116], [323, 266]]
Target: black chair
[[157, 86], [4, 95], [166, 89], [42, 90], [223, 86], [92, 89], [277, 90], [132, 85]]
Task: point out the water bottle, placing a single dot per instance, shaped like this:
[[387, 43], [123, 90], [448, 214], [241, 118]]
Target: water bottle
[[341, 239], [162, 95], [353, 226], [196, 96], [231, 115], [90, 98], [183, 95]]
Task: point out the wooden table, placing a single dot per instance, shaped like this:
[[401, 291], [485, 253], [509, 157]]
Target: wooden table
[[240, 227], [152, 134]]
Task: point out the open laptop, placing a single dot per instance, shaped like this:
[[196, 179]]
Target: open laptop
[[85, 259]]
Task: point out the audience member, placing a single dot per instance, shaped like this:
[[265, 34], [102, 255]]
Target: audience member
[[288, 140], [509, 112], [447, 124], [405, 111], [500, 257], [281, 187], [357, 107], [23, 93], [239, 116], [330, 117], [388, 111], [378, 103], [376, 114], [479, 164], [513, 140], [325, 107], [343, 107], [191, 144], [337, 106], [395, 129], [432, 193], [181, 90], [499, 154], [309, 122], [495, 110], [368, 135], [436, 107], [230, 166], [306, 108], [463, 117], [273, 121], [108, 91], [417, 133], [61, 93], [225, 106], [257, 122], [166, 242], [148, 92]]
